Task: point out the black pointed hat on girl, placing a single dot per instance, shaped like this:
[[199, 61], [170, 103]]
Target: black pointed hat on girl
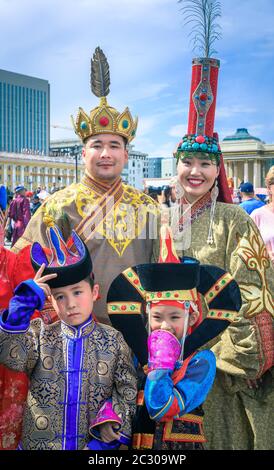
[[172, 280], [70, 266]]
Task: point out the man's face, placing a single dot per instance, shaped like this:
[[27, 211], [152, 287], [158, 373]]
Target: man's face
[[105, 156]]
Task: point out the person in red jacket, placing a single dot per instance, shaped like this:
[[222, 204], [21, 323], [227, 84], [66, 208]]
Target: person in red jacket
[[14, 269]]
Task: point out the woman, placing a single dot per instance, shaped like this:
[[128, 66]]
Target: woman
[[264, 216], [206, 226], [3, 206]]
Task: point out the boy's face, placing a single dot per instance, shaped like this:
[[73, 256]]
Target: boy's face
[[74, 303], [171, 318]]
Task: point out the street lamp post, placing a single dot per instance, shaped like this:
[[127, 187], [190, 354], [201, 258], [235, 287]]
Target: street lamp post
[[76, 152]]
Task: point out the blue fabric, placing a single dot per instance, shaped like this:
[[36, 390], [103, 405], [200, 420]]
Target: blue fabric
[[250, 205], [3, 198], [74, 366], [190, 392], [95, 444], [28, 297]]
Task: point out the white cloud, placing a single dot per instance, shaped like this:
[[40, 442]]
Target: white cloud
[[178, 131]]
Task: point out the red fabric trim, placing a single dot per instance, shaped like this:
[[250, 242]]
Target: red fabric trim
[[179, 374], [172, 411], [265, 328], [224, 192]]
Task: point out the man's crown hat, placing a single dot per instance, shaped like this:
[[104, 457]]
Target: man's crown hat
[[103, 119]]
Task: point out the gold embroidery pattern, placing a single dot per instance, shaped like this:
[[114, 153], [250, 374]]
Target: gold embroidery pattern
[[168, 435], [134, 280], [121, 226], [252, 251], [228, 315], [172, 295], [218, 287], [124, 307]]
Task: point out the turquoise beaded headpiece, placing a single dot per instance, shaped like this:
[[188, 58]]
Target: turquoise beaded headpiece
[[202, 146]]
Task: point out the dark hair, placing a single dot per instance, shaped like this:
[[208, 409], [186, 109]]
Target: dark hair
[[124, 139], [90, 280], [167, 195]]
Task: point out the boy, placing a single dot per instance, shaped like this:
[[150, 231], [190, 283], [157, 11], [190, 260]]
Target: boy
[[177, 378], [82, 381]]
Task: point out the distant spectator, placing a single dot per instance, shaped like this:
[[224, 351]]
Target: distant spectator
[[167, 197], [19, 213], [3, 206], [43, 195], [36, 203], [264, 216], [154, 195], [249, 201]]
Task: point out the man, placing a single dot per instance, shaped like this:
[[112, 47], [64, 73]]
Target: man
[[249, 201], [19, 213], [115, 220]]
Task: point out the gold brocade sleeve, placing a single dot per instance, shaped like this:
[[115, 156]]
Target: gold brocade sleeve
[[246, 347], [19, 351]]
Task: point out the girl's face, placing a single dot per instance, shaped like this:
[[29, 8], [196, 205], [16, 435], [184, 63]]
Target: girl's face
[[197, 176], [170, 318]]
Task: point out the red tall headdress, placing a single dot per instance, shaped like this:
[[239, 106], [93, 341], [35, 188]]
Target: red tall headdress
[[201, 138]]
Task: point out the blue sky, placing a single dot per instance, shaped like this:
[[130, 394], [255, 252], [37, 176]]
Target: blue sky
[[148, 50]]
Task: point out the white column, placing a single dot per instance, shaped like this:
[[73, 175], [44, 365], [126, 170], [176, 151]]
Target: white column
[[254, 174], [245, 172], [259, 172], [13, 177], [235, 174], [5, 176], [22, 179]]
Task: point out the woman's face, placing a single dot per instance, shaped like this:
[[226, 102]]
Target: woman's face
[[197, 176]]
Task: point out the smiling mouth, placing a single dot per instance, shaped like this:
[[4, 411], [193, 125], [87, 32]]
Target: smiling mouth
[[105, 164], [195, 183]]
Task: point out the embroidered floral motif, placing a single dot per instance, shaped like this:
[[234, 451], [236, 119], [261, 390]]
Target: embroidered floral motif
[[252, 251]]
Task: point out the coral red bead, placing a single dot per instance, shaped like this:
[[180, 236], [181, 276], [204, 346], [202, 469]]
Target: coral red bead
[[159, 294], [103, 121], [200, 139], [135, 281], [203, 96], [123, 307]]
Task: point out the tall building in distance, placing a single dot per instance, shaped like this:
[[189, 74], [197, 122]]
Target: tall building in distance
[[155, 167], [24, 114]]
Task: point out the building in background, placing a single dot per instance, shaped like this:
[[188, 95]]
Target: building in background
[[154, 167], [168, 167], [247, 158], [35, 171], [136, 169], [24, 114]]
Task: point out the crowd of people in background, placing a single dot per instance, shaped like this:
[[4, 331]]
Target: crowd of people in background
[[17, 208]]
